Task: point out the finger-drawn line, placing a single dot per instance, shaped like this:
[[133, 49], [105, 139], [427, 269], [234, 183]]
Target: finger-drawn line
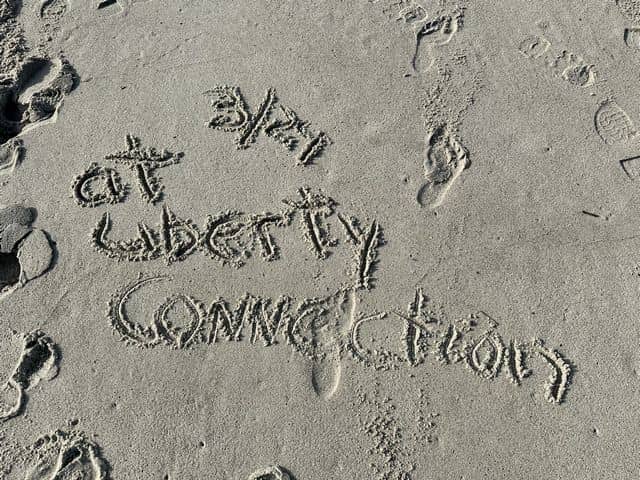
[[257, 121], [130, 332]]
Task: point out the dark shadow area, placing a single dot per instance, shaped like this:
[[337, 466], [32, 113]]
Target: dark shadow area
[[10, 9], [106, 3], [9, 269], [17, 113]]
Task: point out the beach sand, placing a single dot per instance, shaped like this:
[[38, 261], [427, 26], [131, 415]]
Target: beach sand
[[378, 239]]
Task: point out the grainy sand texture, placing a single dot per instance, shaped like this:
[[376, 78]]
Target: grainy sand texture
[[286, 240]]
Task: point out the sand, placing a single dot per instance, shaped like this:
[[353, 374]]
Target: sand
[[379, 239]]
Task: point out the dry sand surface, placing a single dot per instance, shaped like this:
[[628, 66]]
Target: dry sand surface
[[285, 240]]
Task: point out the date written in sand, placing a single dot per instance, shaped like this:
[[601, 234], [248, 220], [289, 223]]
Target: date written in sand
[[280, 123]]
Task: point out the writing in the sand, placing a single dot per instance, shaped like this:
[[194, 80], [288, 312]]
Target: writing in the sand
[[319, 328], [281, 124], [230, 236]]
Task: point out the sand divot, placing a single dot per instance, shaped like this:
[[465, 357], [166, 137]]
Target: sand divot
[[632, 37], [35, 256], [11, 235], [22, 248], [111, 7], [15, 224], [270, 473]]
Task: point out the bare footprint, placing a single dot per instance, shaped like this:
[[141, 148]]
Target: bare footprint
[[446, 158], [325, 376], [39, 361], [430, 34], [66, 456]]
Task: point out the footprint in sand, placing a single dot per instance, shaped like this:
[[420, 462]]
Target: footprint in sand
[[52, 12], [39, 361], [428, 33], [613, 124], [31, 87], [564, 64], [330, 320], [434, 33], [33, 94], [66, 456], [445, 160]]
